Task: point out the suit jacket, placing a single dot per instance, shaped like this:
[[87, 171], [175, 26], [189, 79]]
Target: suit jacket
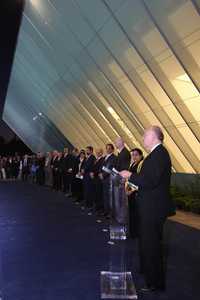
[[80, 165], [88, 165], [123, 160], [153, 181], [55, 163], [67, 162], [77, 166], [98, 166], [26, 168], [109, 163], [16, 164], [133, 168], [41, 162]]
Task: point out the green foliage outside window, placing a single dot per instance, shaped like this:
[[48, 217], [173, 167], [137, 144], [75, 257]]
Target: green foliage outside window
[[187, 198]]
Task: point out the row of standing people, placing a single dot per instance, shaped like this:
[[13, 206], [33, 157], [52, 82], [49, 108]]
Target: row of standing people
[[148, 207], [20, 167], [9, 167], [81, 175], [77, 173]]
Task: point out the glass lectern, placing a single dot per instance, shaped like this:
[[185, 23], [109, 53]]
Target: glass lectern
[[117, 281]]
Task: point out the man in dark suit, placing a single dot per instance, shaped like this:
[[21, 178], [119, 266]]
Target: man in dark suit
[[110, 161], [25, 167], [67, 171], [75, 169], [154, 205], [123, 163], [97, 182], [40, 173], [87, 181], [124, 157], [54, 167], [57, 171]]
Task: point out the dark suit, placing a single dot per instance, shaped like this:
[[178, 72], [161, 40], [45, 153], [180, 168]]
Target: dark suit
[[97, 184], [133, 214], [25, 168], [57, 171], [16, 164], [109, 163], [123, 160], [40, 173], [77, 182], [154, 205], [87, 181], [75, 169], [67, 163]]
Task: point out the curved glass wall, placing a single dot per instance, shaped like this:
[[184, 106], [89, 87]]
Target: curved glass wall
[[88, 71]]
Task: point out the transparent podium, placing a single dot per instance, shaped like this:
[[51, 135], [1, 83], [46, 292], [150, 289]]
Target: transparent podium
[[117, 281]]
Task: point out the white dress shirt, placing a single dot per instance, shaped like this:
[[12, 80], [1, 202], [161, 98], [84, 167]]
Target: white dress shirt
[[154, 147]]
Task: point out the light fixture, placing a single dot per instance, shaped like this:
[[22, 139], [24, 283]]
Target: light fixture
[[121, 123], [34, 2], [184, 77]]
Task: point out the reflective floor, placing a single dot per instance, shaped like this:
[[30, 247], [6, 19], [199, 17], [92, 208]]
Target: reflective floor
[[51, 249]]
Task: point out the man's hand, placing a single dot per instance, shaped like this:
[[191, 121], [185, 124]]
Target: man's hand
[[125, 174], [91, 175], [101, 176]]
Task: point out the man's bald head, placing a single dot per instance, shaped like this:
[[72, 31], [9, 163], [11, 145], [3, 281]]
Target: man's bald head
[[153, 136], [99, 152], [119, 143]]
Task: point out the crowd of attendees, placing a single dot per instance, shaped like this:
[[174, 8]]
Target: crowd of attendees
[[76, 173], [27, 167]]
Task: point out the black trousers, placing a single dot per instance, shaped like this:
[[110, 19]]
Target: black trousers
[[57, 180], [25, 173], [74, 187], [16, 173], [66, 180], [88, 191], [106, 196], [150, 239], [54, 179], [133, 216], [40, 176], [98, 194], [78, 189]]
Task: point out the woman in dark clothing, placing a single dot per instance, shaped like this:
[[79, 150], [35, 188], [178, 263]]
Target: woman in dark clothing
[[40, 173], [8, 168], [136, 161], [16, 164]]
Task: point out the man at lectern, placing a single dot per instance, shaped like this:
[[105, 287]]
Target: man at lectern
[[124, 157], [154, 205], [109, 162]]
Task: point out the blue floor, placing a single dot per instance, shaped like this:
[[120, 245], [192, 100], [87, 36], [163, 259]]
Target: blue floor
[[51, 250]]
